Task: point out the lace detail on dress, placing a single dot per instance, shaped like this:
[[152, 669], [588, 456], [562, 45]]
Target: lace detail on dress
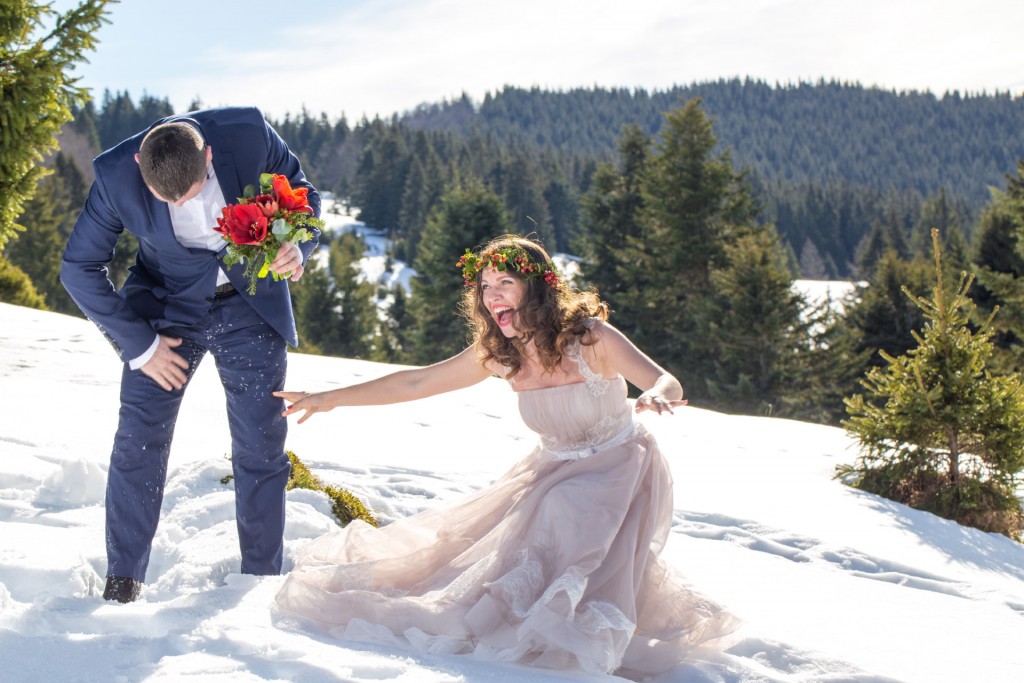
[[596, 384], [598, 616], [469, 581], [521, 587], [521, 584]]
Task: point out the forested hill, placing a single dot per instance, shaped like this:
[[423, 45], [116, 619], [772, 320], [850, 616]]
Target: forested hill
[[814, 133], [832, 164]]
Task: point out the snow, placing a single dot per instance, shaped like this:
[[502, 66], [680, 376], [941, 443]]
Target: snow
[[832, 584], [838, 293]]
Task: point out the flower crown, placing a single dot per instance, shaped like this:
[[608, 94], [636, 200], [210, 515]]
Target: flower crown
[[504, 258]]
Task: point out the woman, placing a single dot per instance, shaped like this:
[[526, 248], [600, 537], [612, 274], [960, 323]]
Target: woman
[[556, 564]]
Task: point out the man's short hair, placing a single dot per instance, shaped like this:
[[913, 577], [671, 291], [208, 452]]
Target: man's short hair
[[172, 159]]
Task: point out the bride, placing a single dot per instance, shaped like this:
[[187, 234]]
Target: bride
[[557, 563]]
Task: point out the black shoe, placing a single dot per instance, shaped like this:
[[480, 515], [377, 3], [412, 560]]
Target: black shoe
[[122, 589]]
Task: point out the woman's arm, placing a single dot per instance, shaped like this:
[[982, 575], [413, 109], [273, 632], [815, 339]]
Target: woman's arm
[[457, 372], [618, 355]]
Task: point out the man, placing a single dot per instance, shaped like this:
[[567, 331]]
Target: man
[[167, 185]]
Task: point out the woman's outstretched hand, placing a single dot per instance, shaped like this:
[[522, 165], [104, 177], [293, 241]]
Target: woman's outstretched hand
[[302, 400], [658, 403]]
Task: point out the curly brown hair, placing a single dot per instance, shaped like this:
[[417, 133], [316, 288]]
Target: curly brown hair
[[550, 317]]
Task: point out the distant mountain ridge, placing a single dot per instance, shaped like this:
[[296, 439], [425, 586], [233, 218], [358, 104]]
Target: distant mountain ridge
[[803, 133]]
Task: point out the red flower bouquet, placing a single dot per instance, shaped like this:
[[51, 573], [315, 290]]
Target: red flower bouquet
[[263, 220]]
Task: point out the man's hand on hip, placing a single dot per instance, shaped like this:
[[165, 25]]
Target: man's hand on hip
[[166, 367]]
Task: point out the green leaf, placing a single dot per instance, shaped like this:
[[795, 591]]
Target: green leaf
[[280, 228]]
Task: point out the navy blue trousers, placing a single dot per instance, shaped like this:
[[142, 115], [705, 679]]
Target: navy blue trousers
[[251, 360]]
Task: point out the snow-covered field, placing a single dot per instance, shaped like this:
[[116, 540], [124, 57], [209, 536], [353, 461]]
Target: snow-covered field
[[832, 584]]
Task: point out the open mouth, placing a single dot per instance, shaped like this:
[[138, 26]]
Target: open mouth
[[503, 316]]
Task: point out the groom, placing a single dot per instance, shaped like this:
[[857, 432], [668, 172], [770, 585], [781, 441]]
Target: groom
[[167, 185]]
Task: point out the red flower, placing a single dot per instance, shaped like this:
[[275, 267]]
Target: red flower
[[268, 205], [289, 199], [242, 223]]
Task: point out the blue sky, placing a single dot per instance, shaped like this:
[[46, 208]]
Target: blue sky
[[369, 57]]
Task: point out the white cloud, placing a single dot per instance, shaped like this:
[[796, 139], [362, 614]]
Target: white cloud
[[383, 57]]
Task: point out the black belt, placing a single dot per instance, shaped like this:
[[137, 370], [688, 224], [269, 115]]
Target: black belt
[[224, 291]]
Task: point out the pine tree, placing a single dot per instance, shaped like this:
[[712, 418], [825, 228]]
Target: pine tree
[[316, 310], [936, 429], [939, 211], [754, 322], [812, 265], [694, 205], [524, 198], [830, 367], [885, 236], [51, 214], [424, 185], [380, 177], [467, 217], [37, 92], [882, 317], [999, 265], [610, 212], [562, 203], [356, 317], [394, 330], [334, 310], [38, 252], [16, 287]]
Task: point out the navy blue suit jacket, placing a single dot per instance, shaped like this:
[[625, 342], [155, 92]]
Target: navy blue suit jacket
[[170, 284]]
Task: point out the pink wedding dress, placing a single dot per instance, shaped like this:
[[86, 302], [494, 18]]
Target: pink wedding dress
[[555, 564]]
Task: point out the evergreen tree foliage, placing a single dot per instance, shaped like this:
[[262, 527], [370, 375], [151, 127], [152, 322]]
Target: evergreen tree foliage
[[37, 92], [356, 319], [694, 204], [812, 265], [48, 218], [334, 310], [315, 304], [16, 287], [523, 189], [468, 216], [754, 322], [380, 178], [999, 264], [424, 185], [394, 344], [85, 123], [122, 118], [942, 212], [830, 368], [886, 237], [936, 429], [882, 318], [610, 216], [806, 133], [563, 204]]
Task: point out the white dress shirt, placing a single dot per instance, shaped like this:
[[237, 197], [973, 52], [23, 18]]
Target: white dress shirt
[[193, 224]]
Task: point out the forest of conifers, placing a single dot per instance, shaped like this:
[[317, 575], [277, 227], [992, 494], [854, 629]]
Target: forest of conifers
[[827, 161], [693, 208]]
